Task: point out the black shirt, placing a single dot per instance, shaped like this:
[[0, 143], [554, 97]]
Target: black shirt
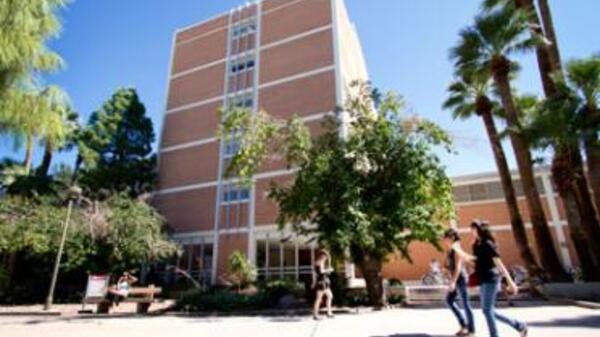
[[485, 251]]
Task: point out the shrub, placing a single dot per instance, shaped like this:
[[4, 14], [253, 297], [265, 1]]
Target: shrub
[[240, 272], [222, 300], [394, 282], [109, 236], [277, 289]]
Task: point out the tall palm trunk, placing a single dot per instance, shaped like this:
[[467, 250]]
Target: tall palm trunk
[[549, 63], [547, 251], [589, 218], [592, 153], [582, 243], [516, 221], [550, 33], [28, 154], [46, 160], [545, 61]]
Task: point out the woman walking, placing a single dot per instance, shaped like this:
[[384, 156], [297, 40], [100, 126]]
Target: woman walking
[[458, 283], [322, 284], [488, 269]]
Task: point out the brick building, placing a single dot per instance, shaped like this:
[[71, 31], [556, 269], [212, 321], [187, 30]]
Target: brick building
[[287, 57]]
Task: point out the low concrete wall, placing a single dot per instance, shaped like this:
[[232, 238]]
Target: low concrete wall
[[575, 291]]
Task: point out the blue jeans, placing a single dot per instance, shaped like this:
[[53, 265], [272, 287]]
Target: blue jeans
[[461, 289], [488, 293]]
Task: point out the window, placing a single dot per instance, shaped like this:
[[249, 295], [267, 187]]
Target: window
[[244, 29], [242, 65], [243, 101], [236, 194], [490, 191], [231, 148]]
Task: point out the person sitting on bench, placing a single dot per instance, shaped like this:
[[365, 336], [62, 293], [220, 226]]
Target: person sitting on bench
[[121, 290]]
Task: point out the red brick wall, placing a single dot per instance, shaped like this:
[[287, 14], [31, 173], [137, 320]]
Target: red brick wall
[[188, 211], [303, 97], [193, 165], [298, 56], [191, 125], [200, 51], [294, 19]]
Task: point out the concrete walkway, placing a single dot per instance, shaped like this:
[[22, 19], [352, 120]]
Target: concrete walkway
[[544, 321]]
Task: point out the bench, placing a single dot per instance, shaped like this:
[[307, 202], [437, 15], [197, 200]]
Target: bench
[[431, 294], [424, 294], [143, 296]]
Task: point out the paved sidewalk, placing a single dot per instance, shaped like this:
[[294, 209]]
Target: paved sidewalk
[[544, 321]]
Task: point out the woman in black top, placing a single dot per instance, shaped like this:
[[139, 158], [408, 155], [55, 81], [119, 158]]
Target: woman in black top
[[489, 268], [458, 283], [321, 283]]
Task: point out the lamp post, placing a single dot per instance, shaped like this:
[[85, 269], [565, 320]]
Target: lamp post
[[74, 193]]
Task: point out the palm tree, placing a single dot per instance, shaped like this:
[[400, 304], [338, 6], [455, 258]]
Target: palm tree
[[468, 97], [567, 164], [547, 55], [61, 138], [28, 114], [584, 77], [556, 123], [550, 33], [487, 45]]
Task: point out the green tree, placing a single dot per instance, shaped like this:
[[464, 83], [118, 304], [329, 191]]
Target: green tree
[[30, 114], [556, 122], [240, 272], [117, 234], [567, 163], [584, 78], [62, 139], [487, 46], [468, 96], [26, 27], [364, 196], [115, 147]]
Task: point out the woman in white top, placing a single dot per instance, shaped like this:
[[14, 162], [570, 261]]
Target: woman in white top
[[121, 289]]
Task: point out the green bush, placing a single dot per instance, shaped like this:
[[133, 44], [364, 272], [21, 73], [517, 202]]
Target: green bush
[[222, 300], [240, 272], [277, 289], [394, 282], [117, 234]]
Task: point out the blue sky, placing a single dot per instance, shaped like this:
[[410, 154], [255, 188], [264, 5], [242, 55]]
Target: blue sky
[[109, 44]]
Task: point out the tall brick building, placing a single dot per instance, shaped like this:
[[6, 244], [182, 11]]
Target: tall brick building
[[287, 57]]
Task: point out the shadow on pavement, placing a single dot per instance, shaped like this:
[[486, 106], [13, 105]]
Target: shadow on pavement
[[592, 321]]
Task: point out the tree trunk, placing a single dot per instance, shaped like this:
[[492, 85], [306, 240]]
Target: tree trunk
[[28, 154], [583, 246], [548, 24], [371, 269], [587, 211], [11, 269], [78, 163], [549, 63], [46, 161], [516, 221], [592, 153], [544, 58], [544, 243]]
